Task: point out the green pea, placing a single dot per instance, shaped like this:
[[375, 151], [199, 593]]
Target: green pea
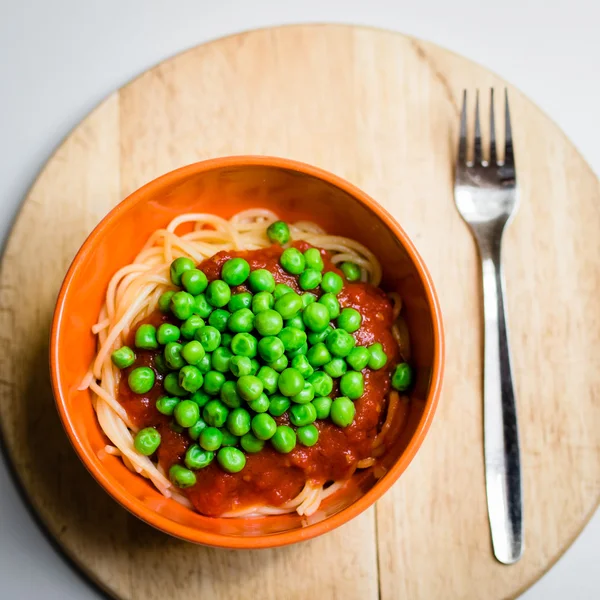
[[196, 429], [332, 304], [336, 367], [284, 439], [228, 438], [322, 405], [160, 364], [226, 339], [278, 405], [182, 477], [302, 414], [239, 301], [340, 343], [209, 337], [244, 344], [213, 382], [297, 323], [194, 281], [141, 380], [402, 377], [378, 358], [261, 404], [215, 413], [146, 441], [318, 355], [352, 385], [342, 411], [193, 352], [313, 259], [332, 283], [292, 338], [289, 305], [123, 357], [322, 383], [167, 333], [290, 382], [316, 316], [240, 365], [218, 293], [262, 301], [210, 439], [278, 232], [268, 322], [190, 378], [241, 321], [176, 427], [218, 319], [220, 359], [198, 458], [302, 350], [145, 337], [201, 306], [305, 395], [281, 289], [351, 271], [308, 435], [190, 326], [309, 279], [269, 378], [171, 385], [301, 364], [179, 266], [270, 348], [349, 319], [182, 305], [249, 387], [235, 271], [314, 337], [358, 358], [238, 421], [261, 280], [229, 395], [166, 405], [172, 354], [204, 364], [186, 413], [308, 298], [251, 444], [293, 261], [164, 302], [231, 460], [263, 426], [200, 398], [280, 364]]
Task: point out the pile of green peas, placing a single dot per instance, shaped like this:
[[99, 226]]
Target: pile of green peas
[[237, 361]]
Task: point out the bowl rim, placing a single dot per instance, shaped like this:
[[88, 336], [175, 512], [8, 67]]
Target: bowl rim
[[199, 536]]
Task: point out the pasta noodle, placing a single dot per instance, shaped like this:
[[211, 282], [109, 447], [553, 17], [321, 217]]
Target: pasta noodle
[[133, 294]]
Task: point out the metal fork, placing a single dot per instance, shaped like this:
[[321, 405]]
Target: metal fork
[[485, 192]]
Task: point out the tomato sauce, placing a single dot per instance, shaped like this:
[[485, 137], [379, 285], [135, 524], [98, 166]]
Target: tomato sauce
[[270, 478]]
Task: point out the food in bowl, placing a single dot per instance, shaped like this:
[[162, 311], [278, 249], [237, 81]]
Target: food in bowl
[[249, 367]]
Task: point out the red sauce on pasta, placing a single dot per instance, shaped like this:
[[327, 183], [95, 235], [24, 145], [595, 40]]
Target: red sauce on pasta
[[270, 478]]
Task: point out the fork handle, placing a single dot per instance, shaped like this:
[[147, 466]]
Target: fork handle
[[501, 436]]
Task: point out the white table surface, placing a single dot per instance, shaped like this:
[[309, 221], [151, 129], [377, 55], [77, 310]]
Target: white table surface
[[59, 58]]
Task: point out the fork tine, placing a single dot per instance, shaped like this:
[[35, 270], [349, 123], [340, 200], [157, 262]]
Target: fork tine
[[477, 158], [462, 140], [509, 158], [493, 158]]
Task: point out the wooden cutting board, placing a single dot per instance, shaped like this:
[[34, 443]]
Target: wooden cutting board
[[381, 110]]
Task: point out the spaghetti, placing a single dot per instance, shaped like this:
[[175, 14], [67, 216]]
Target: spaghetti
[[132, 299]]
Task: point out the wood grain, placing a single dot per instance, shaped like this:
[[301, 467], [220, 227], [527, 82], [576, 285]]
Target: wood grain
[[381, 110]]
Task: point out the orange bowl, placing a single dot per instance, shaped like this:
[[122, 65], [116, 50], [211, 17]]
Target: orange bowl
[[225, 186]]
